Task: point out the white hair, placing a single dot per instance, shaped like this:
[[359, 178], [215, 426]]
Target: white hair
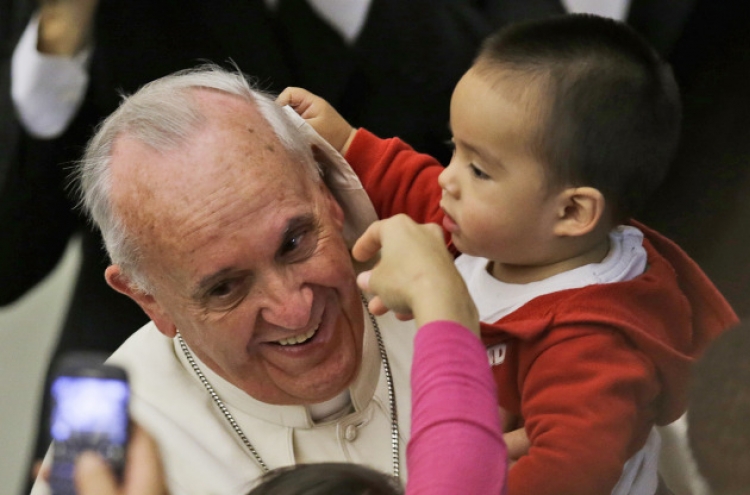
[[163, 115]]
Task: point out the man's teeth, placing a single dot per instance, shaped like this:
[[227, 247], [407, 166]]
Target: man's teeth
[[298, 339]]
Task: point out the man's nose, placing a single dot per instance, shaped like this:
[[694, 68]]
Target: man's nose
[[287, 303]]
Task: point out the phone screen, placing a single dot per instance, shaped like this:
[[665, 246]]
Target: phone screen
[[89, 412]]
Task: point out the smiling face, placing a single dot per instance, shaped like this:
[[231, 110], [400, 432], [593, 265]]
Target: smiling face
[[245, 256], [494, 189]]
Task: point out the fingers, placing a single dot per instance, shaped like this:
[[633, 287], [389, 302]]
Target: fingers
[[93, 476], [308, 105], [144, 475], [143, 470], [517, 443], [297, 98], [368, 245], [320, 115], [65, 27], [41, 470]]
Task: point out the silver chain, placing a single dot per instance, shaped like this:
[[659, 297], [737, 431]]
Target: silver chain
[[395, 444]]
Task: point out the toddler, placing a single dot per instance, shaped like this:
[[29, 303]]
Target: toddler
[[562, 128]]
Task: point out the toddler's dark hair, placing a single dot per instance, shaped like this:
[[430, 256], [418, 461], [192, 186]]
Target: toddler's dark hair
[[328, 478], [611, 108]]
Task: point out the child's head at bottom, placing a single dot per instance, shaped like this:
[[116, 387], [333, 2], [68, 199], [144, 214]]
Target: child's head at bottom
[[329, 478], [563, 127]]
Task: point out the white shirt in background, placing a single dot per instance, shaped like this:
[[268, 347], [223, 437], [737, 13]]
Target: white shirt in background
[[48, 90]]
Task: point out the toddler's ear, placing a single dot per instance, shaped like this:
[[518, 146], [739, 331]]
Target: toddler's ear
[[579, 211]]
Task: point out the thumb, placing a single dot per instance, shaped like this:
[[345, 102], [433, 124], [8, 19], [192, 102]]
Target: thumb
[[363, 280], [93, 476]]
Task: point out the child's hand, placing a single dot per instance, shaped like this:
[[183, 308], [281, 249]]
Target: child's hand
[[415, 275], [320, 115]]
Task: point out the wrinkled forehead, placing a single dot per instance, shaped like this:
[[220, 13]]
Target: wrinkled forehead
[[233, 163]]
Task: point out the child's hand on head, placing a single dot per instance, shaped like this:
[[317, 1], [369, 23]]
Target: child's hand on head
[[320, 115]]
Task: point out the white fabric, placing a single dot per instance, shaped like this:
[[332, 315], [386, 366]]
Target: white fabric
[[616, 9], [494, 299], [640, 473], [341, 180], [47, 90], [676, 463], [625, 260], [347, 17], [201, 452]]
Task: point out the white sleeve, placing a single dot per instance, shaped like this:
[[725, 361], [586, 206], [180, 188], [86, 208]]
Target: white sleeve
[[47, 90]]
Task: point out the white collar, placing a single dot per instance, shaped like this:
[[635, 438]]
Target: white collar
[[347, 17], [494, 299]]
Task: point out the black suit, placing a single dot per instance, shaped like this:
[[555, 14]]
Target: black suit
[[396, 80]]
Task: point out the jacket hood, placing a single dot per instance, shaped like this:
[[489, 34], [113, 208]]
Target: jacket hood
[[670, 313]]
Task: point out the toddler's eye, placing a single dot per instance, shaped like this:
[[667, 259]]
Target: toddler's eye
[[478, 173]]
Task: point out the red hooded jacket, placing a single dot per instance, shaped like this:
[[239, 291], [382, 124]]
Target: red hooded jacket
[[589, 371]]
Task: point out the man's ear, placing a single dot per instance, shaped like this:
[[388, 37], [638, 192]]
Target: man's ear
[[335, 210], [122, 284], [579, 211]]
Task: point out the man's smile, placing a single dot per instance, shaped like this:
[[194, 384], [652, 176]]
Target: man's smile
[[300, 338]]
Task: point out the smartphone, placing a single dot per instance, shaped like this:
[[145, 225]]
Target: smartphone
[[89, 411]]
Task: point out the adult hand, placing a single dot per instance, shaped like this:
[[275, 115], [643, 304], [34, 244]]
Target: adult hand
[[320, 115], [415, 275], [518, 444], [65, 26], [143, 470]]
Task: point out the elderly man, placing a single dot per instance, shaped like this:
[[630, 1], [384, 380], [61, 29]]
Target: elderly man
[[260, 352]]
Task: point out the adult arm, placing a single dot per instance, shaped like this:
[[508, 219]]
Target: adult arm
[[36, 217], [47, 86], [456, 444]]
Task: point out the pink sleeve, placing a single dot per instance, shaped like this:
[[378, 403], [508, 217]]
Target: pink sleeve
[[456, 443]]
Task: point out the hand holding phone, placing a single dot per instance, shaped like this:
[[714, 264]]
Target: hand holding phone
[[144, 474], [89, 412]]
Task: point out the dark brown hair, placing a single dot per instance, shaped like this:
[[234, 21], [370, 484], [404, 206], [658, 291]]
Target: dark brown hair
[[328, 478], [611, 106]]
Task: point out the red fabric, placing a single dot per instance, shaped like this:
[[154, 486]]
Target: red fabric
[[588, 370]]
